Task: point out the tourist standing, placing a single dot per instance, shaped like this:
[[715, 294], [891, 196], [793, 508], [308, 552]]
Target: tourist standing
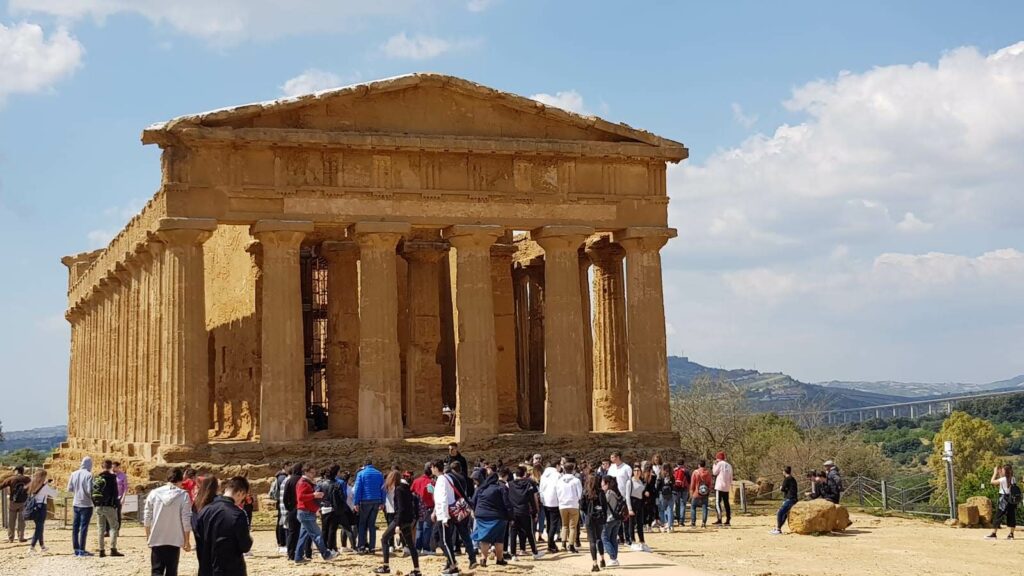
[[789, 495], [403, 521], [622, 473], [291, 507], [167, 520], [1009, 499], [275, 494], [680, 491], [833, 482], [701, 486], [569, 491], [615, 505], [308, 503], [105, 499], [523, 495], [635, 530], [367, 498], [423, 488], [596, 505], [391, 480], [722, 471], [18, 494], [222, 532], [447, 497], [80, 486], [122, 488], [455, 456], [549, 500], [38, 491], [492, 510], [665, 489], [331, 505]]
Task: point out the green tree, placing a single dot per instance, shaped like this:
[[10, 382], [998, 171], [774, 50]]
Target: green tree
[[764, 434], [23, 456], [976, 445]]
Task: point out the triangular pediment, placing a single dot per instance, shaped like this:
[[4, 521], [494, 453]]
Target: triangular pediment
[[424, 104]]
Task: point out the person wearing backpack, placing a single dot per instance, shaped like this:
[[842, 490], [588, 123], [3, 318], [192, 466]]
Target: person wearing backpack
[[275, 494], [18, 487], [37, 491], [104, 498], [451, 515], [330, 505], [833, 483], [1009, 499], [617, 511], [596, 505], [80, 486], [700, 491], [680, 491]]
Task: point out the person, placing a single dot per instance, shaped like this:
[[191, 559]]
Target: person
[[331, 505], [18, 493], [167, 521], [368, 496], [523, 495], [615, 506], [39, 490], [1009, 499], [190, 484], [549, 500], [208, 487], [222, 532], [104, 499], [403, 521], [650, 497], [455, 456], [539, 523], [307, 503], [701, 486], [656, 465], [569, 491], [664, 488], [275, 494], [789, 495], [622, 473], [635, 529], [447, 496], [122, 488], [391, 480], [350, 520], [492, 509], [596, 505], [833, 483], [680, 491], [813, 493], [291, 506], [423, 488], [80, 486], [722, 471]]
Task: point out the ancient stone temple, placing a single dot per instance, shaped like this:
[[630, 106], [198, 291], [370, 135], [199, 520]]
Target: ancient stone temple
[[414, 257]]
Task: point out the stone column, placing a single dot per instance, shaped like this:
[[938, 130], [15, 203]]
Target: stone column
[[537, 386], [476, 406], [611, 386], [108, 406], [156, 419], [565, 408], [144, 262], [282, 372], [645, 328], [588, 332], [423, 371], [124, 411], [520, 283], [380, 370], [74, 318], [184, 371], [505, 334], [342, 337]]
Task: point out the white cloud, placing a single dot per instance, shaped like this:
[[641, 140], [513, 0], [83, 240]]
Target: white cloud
[[228, 22], [479, 5], [100, 238], [911, 223], [570, 100], [312, 80], [32, 62], [742, 118], [421, 47]]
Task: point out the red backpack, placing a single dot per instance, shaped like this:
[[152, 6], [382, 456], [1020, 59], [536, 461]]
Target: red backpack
[[681, 481]]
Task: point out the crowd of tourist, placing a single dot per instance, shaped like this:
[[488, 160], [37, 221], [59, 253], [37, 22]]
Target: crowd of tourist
[[488, 512]]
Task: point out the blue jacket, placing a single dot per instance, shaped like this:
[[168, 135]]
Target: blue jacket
[[491, 501], [369, 486]]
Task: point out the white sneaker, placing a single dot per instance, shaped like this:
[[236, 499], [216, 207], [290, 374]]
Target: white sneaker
[[613, 563], [636, 547], [346, 550], [332, 555], [247, 554], [645, 548], [538, 555], [775, 531], [514, 559], [282, 550]]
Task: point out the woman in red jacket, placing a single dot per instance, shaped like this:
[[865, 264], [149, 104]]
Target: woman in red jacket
[[308, 503]]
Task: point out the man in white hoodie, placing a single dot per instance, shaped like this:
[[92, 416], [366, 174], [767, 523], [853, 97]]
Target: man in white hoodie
[[168, 522], [549, 500], [80, 486], [569, 491]]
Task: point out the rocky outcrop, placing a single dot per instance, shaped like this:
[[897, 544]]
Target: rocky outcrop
[[818, 517]]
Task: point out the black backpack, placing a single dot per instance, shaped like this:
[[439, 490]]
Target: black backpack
[[1013, 498], [19, 493]]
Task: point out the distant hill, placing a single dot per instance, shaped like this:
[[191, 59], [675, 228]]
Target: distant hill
[[924, 390], [42, 439], [775, 391]]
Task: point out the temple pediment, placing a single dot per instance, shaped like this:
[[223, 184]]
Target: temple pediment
[[428, 105]]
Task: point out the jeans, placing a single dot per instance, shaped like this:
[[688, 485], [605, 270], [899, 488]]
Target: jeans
[[80, 527], [106, 518], [424, 530], [309, 531], [679, 500], [367, 529], [784, 512], [701, 501], [40, 519], [610, 538], [666, 510], [164, 560]]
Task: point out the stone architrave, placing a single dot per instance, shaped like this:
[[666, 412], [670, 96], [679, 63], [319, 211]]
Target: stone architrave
[[423, 371], [565, 408], [185, 350], [611, 384], [342, 337], [645, 328], [380, 371], [282, 370], [505, 334], [476, 407]]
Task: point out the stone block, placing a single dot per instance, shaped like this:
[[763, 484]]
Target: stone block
[[967, 515], [818, 517], [984, 506], [750, 492]]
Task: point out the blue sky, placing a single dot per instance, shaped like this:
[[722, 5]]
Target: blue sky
[[851, 209]]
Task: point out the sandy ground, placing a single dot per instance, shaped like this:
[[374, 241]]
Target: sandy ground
[[871, 547]]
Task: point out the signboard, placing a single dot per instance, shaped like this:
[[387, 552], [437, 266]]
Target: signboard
[[130, 503]]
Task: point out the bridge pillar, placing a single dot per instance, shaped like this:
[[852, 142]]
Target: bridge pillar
[[878, 414], [913, 412]]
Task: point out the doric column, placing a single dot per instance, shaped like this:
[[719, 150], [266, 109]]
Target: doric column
[[565, 409], [108, 407], [611, 387], [476, 406], [123, 411], [283, 379], [588, 332], [535, 337], [521, 301], [380, 370], [184, 374], [423, 371], [157, 323], [342, 337], [135, 366], [144, 262], [645, 328], [74, 318], [504, 334]]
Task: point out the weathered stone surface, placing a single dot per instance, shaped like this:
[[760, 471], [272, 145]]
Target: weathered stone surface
[[818, 517], [967, 515], [984, 506]]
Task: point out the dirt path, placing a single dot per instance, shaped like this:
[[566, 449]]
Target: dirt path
[[872, 547]]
